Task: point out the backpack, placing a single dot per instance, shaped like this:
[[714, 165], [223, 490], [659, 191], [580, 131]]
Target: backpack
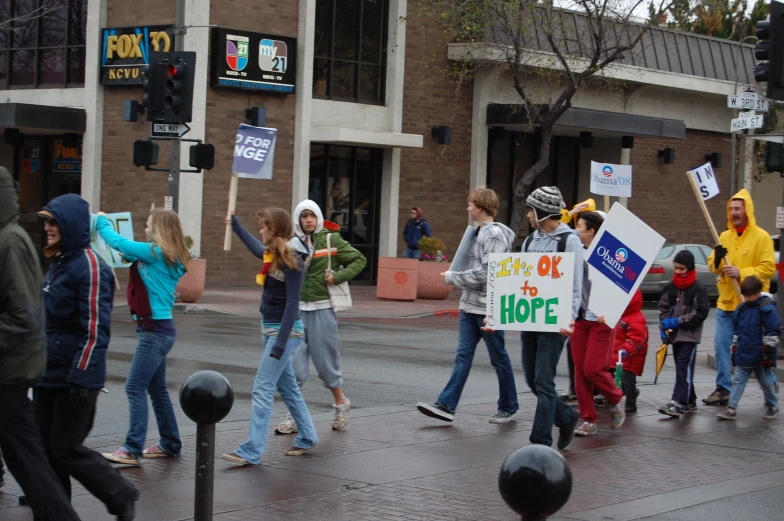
[[138, 299], [561, 248]]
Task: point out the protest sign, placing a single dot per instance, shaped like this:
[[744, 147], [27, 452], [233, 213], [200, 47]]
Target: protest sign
[[122, 224], [618, 259], [460, 260], [611, 180], [706, 181], [254, 158], [254, 152], [530, 291]]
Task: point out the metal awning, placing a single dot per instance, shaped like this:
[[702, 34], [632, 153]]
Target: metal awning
[[27, 117], [588, 119]]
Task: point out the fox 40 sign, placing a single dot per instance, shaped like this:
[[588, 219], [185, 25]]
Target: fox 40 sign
[[126, 50]]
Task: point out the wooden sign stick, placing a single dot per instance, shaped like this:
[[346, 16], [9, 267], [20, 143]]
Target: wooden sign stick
[[606, 203], [232, 206], [710, 224]]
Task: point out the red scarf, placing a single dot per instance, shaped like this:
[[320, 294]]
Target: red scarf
[[684, 281], [742, 229]]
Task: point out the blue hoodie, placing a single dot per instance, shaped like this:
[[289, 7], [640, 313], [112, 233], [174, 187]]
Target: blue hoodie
[[160, 278], [78, 294]]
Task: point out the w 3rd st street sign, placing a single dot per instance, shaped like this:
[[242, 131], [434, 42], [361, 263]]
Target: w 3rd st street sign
[[172, 130], [747, 101], [745, 121]]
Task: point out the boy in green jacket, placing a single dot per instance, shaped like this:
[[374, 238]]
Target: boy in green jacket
[[321, 325]]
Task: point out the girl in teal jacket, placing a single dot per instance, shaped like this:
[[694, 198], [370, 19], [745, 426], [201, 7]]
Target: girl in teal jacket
[[157, 267]]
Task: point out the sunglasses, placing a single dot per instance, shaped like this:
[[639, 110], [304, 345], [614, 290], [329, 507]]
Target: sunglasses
[[49, 220]]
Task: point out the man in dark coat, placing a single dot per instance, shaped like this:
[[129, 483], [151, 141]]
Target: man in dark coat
[[23, 362]]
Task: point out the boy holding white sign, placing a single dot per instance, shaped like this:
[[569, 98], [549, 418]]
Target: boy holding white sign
[[541, 351], [492, 237]]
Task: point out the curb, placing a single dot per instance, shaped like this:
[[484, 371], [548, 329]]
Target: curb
[[712, 365]]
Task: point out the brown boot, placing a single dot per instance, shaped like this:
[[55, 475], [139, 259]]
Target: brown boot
[[720, 396]]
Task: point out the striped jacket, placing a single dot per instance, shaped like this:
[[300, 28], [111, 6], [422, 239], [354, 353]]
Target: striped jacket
[[314, 289], [78, 292]]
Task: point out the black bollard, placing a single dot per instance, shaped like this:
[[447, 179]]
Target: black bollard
[[206, 398], [535, 481]]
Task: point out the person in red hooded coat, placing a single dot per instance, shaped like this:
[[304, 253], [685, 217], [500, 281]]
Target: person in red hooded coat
[[631, 335]]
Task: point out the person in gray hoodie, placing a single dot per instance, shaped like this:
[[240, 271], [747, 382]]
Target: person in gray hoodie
[[23, 362], [541, 351], [491, 237]]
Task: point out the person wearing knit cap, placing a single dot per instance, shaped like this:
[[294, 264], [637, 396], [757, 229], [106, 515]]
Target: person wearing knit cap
[[683, 308], [416, 228], [541, 351]]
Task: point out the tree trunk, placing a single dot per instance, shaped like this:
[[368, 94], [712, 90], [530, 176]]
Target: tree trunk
[[523, 187]]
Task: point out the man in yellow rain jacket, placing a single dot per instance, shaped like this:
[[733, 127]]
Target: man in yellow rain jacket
[[745, 250]]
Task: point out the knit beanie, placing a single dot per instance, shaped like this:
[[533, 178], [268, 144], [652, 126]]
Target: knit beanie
[[546, 201], [686, 258]]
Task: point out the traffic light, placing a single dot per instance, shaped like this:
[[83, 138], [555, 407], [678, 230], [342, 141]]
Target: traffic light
[[202, 156], [770, 47], [169, 86], [145, 153]]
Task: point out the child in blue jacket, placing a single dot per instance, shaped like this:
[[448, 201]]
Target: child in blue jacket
[[757, 328]]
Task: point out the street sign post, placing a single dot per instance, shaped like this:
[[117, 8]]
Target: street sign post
[[172, 130], [747, 101], [745, 121]]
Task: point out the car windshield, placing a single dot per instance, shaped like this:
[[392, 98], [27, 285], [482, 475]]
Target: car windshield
[[665, 252]]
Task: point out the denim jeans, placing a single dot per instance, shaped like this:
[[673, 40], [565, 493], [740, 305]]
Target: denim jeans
[[274, 373], [541, 352], [722, 341], [740, 379], [148, 376], [469, 336], [411, 254]]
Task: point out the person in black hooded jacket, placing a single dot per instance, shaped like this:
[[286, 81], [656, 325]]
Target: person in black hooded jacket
[[78, 293], [22, 362]]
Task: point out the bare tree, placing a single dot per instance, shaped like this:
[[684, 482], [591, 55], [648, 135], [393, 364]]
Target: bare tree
[[568, 48], [8, 23]]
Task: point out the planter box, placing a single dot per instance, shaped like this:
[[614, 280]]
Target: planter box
[[429, 285], [397, 278], [191, 285]]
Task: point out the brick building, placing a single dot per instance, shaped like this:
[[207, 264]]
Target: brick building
[[355, 135]]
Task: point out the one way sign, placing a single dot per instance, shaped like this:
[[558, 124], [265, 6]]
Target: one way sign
[[169, 130]]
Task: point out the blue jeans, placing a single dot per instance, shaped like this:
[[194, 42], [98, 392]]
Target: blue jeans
[[470, 334], [274, 373], [722, 341], [740, 379], [541, 352], [411, 254], [148, 376]]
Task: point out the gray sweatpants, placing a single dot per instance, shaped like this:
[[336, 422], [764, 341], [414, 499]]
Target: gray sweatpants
[[320, 344]]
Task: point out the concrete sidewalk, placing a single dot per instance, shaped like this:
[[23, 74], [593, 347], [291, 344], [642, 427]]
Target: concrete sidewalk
[[245, 301], [394, 463]]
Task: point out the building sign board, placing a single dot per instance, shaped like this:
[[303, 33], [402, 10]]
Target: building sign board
[[66, 160], [126, 50], [253, 61]]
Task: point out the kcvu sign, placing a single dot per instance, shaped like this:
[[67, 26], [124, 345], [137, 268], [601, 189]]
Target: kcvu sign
[[126, 50]]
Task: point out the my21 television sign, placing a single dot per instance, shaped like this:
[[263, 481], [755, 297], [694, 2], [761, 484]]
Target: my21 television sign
[[253, 61]]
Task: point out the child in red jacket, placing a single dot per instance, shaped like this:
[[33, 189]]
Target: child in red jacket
[[631, 335]]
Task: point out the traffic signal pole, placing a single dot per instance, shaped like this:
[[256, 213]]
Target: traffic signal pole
[[174, 151]]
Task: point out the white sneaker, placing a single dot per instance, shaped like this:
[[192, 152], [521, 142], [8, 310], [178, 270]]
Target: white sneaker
[[287, 426], [340, 419]]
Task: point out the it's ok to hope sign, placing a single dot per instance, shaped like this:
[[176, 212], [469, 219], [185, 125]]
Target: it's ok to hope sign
[[530, 291]]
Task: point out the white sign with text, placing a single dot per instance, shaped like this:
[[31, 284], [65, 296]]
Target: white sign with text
[[613, 180], [706, 181], [530, 291]]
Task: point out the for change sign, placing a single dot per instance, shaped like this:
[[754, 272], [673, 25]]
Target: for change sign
[[530, 291], [254, 152], [618, 259]]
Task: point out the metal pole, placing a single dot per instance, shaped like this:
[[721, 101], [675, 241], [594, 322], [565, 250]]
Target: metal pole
[[735, 115], [174, 151], [205, 471]]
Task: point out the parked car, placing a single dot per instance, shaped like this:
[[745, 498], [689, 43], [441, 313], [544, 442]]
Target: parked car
[[660, 272]]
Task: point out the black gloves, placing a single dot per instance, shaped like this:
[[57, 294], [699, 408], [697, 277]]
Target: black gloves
[[719, 252], [79, 396]]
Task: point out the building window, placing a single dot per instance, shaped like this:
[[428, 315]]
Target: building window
[[350, 50], [42, 43]]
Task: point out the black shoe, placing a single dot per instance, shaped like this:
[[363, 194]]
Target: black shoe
[[127, 512], [630, 409], [566, 433], [600, 401], [23, 501], [435, 411]]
